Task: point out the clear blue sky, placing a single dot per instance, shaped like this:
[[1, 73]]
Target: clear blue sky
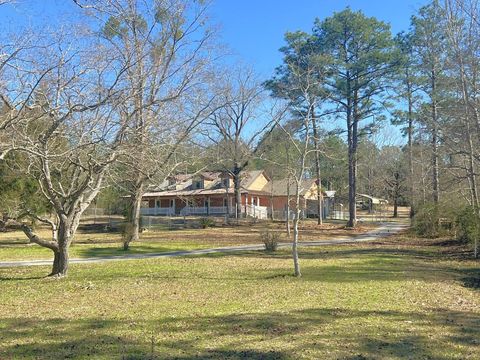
[[254, 29]]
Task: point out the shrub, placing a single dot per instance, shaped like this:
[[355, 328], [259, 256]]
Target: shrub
[[206, 222], [468, 225], [435, 220], [426, 221], [270, 240]]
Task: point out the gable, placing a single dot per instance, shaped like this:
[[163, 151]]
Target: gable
[[258, 183]]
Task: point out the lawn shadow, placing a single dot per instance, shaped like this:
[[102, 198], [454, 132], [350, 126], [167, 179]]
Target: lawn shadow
[[9, 278], [93, 252], [340, 332]]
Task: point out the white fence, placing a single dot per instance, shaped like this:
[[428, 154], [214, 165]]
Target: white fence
[[258, 212]]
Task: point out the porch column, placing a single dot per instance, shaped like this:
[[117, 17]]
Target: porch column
[[208, 205], [174, 207]]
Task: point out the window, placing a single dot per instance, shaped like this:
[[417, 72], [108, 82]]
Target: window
[[172, 203], [226, 182], [157, 204], [225, 202], [198, 184]]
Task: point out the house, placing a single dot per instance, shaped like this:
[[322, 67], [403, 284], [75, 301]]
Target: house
[[212, 193]]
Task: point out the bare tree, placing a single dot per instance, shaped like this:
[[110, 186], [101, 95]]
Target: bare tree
[[300, 136], [240, 124], [69, 128], [462, 35], [167, 48], [13, 49]]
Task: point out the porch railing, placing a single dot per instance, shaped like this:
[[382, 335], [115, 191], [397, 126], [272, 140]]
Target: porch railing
[[157, 211], [203, 210]]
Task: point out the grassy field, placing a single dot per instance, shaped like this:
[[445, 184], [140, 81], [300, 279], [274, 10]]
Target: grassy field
[[15, 246], [401, 298]]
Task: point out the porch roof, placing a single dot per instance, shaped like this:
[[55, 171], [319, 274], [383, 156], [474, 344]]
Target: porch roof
[[196, 192]]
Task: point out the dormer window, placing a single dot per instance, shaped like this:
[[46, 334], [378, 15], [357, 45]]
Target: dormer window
[[197, 184]]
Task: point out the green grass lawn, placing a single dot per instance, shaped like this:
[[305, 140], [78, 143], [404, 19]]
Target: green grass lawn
[[392, 300]]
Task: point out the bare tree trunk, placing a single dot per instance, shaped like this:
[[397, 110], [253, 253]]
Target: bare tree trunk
[[238, 194], [132, 228], [67, 226], [296, 219], [228, 203], [395, 206], [60, 262], [289, 232], [317, 167], [288, 191], [271, 203], [434, 127]]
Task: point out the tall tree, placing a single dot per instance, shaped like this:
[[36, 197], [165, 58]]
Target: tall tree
[[405, 116], [362, 57], [429, 45]]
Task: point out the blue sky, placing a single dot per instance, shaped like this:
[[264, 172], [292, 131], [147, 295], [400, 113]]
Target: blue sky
[[253, 30]]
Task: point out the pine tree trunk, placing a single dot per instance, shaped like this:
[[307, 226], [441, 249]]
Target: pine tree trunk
[[352, 222], [410, 151], [352, 127]]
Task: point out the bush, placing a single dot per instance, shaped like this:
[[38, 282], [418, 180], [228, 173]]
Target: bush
[[270, 240], [426, 221], [206, 222], [468, 225], [435, 220]]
